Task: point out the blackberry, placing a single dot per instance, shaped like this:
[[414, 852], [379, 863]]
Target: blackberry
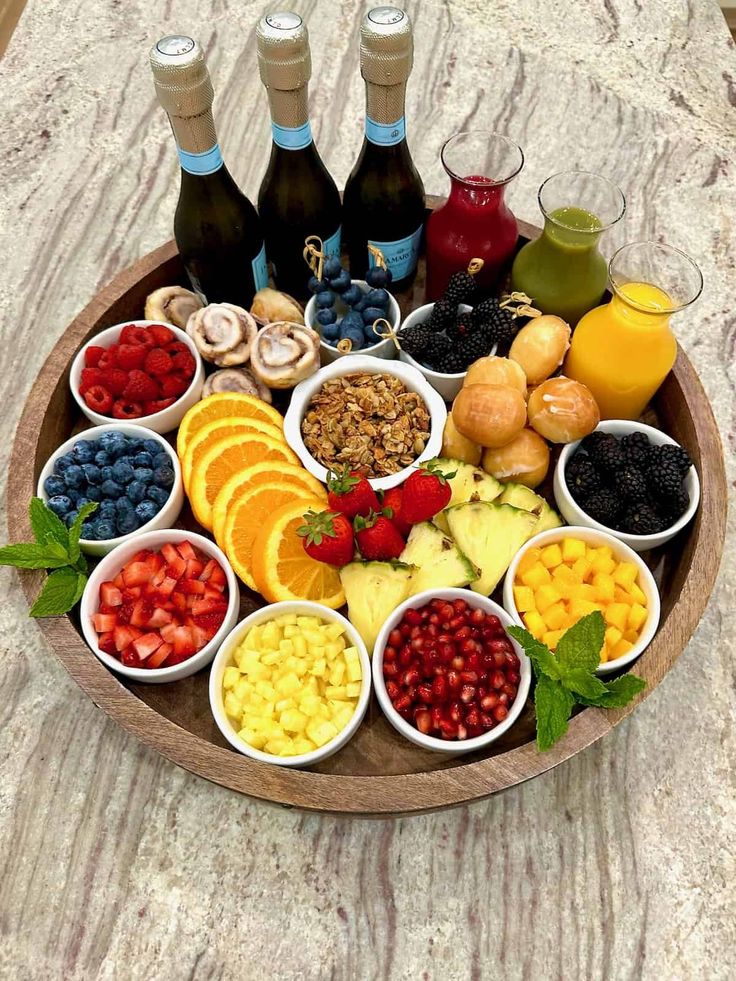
[[435, 353], [455, 362], [460, 328], [460, 289], [664, 475], [631, 485], [582, 477], [474, 346], [641, 519], [604, 505], [676, 455], [674, 509], [414, 339], [500, 324], [605, 451], [636, 449], [443, 315]]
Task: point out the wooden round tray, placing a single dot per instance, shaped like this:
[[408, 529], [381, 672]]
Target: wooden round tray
[[378, 772]]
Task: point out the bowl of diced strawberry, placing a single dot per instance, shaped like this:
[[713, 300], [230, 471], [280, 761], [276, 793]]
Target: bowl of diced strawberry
[[138, 371], [156, 609]]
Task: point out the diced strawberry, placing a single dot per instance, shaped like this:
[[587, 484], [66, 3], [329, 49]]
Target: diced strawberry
[[176, 568], [136, 574], [110, 594], [218, 578], [168, 631], [129, 658], [106, 642], [169, 552], [142, 556], [167, 586], [118, 580], [142, 613], [125, 612], [180, 601], [206, 605], [184, 642], [124, 636], [104, 622], [212, 592], [201, 637], [159, 618], [157, 579], [106, 608], [132, 594], [155, 562], [145, 646], [186, 550], [192, 587], [158, 657], [194, 568]]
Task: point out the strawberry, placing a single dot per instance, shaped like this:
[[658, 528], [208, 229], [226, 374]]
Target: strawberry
[[157, 362], [328, 537], [90, 377], [161, 334], [115, 380], [99, 399], [141, 387], [172, 386], [350, 493], [157, 405], [92, 356], [425, 493], [184, 363], [131, 356], [377, 537], [392, 502]]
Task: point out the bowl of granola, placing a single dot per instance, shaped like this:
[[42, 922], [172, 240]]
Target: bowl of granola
[[380, 418]]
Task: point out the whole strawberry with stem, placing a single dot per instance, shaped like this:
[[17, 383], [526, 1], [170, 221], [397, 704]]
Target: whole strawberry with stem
[[349, 492], [377, 537], [392, 502], [425, 493], [327, 537]]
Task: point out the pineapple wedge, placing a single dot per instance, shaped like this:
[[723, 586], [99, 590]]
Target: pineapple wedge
[[469, 484], [373, 591], [490, 535], [439, 561]]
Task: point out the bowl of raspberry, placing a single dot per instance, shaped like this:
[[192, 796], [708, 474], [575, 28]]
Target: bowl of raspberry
[[130, 472], [446, 673], [138, 371], [630, 480]]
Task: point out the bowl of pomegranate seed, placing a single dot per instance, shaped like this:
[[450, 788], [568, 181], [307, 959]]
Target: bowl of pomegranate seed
[[139, 371], [157, 608], [447, 675]]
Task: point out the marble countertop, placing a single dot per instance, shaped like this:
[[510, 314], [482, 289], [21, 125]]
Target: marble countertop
[[116, 864]]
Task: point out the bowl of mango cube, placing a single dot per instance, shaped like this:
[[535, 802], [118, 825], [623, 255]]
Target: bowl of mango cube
[[566, 573], [290, 684]]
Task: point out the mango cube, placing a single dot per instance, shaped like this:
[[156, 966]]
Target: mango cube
[[524, 598], [535, 624], [623, 647], [551, 556], [547, 595], [625, 574], [552, 638], [582, 567], [616, 615], [536, 576], [604, 586], [637, 594], [528, 560], [637, 617], [572, 550], [555, 617]]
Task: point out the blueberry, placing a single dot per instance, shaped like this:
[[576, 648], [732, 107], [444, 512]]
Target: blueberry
[[332, 267], [107, 508], [143, 459], [158, 494], [113, 443], [123, 505], [92, 473], [161, 460], [81, 501], [103, 458], [64, 462], [315, 285], [326, 317], [54, 485], [122, 472], [163, 477], [378, 298], [104, 529], [89, 530], [94, 493], [111, 488], [127, 522], [135, 491], [73, 495], [69, 518], [83, 452], [325, 300], [341, 282], [152, 446], [378, 277], [134, 446], [146, 510], [360, 306], [144, 474], [60, 504], [371, 336], [371, 314], [74, 476], [331, 332], [352, 295], [351, 320]]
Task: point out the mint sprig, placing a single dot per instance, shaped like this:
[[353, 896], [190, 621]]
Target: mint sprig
[[568, 676], [56, 548]]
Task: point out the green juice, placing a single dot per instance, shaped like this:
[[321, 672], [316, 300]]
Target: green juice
[[563, 271]]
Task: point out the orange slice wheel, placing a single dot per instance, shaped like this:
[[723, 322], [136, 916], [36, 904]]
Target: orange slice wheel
[[201, 441], [220, 406]]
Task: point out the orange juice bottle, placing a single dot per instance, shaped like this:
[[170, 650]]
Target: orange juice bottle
[[625, 349]]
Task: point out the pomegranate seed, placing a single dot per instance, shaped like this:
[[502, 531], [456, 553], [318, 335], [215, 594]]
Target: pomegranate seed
[[477, 616], [423, 721], [404, 629], [489, 702], [472, 662], [402, 702], [406, 656], [389, 654], [509, 690], [410, 677], [436, 717], [500, 712], [439, 688], [392, 690], [462, 634], [467, 693], [425, 692], [413, 617], [459, 605], [417, 643], [486, 721], [390, 670], [470, 676], [493, 622], [469, 646], [513, 662], [453, 680], [448, 728], [455, 712], [513, 677], [458, 663], [462, 732], [394, 638], [473, 718], [499, 659], [447, 652], [456, 623], [446, 611], [497, 679], [503, 698], [416, 632]]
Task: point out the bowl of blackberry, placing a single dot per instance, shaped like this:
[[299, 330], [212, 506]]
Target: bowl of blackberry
[[629, 479], [443, 339]]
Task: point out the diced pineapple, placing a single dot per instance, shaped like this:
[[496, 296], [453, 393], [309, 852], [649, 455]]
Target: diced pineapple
[[334, 630], [286, 620], [524, 598], [291, 631], [230, 677], [233, 706], [273, 657], [582, 567], [269, 710], [302, 745], [336, 691], [528, 560], [255, 739], [552, 638], [625, 574], [271, 635], [535, 624], [546, 595], [616, 615], [243, 689], [286, 647], [536, 576], [337, 672], [343, 715], [258, 672], [253, 638], [572, 550], [321, 732], [292, 720], [311, 685], [319, 668], [551, 556], [288, 684], [555, 616], [307, 622], [353, 689], [248, 658], [637, 617], [352, 662], [265, 690], [309, 704], [300, 646], [604, 587], [283, 704], [277, 746]]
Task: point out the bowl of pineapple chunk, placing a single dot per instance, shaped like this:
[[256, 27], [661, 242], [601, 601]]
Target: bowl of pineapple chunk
[[290, 684], [563, 574]]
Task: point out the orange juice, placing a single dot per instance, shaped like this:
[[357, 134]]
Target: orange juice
[[624, 349]]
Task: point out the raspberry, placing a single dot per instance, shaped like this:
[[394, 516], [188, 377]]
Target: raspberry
[[131, 356], [98, 399], [185, 363], [140, 388], [157, 362], [125, 409], [90, 377], [157, 405], [162, 334], [172, 386], [108, 358], [115, 380], [92, 356], [131, 334], [176, 347]]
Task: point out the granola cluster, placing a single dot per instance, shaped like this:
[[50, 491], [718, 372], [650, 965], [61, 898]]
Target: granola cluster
[[370, 422]]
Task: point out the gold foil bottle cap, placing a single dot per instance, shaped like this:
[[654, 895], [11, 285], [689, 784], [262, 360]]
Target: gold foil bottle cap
[[386, 46], [284, 59], [184, 89]]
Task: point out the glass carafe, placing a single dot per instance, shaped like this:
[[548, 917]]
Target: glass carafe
[[624, 349], [475, 221], [563, 270]]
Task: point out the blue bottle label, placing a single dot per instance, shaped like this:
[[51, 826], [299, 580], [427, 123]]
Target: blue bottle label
[[201, 164], [401, 256], [292, 138], [331, 245], [383, 135], [260, 269]]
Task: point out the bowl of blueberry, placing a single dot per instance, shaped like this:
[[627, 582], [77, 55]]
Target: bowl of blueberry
[[630, 480], [130, 472], [343, 311]]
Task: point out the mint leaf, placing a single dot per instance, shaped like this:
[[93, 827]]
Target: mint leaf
[[61, 591], [553, 704], [580, 645], [541, 657], [32, 555], [75, 532], [46, 525], [582, 682], [618, 692]]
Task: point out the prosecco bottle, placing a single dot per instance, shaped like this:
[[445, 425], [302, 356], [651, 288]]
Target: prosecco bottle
[[216, 228], [298, 198], [383, 203]]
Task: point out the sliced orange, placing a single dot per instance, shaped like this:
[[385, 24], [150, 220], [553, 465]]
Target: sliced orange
[[222, 405], [226, 457], [261, 473], [209, 434], [281, 568], [245, 519]]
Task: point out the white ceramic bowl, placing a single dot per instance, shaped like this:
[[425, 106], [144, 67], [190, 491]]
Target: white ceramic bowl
[[224, 658], [354, 364], [109, 567], [165, 518], [159, 422], [575, 515], [451, 747], [384, 349], [448, 385], [623, 553]]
